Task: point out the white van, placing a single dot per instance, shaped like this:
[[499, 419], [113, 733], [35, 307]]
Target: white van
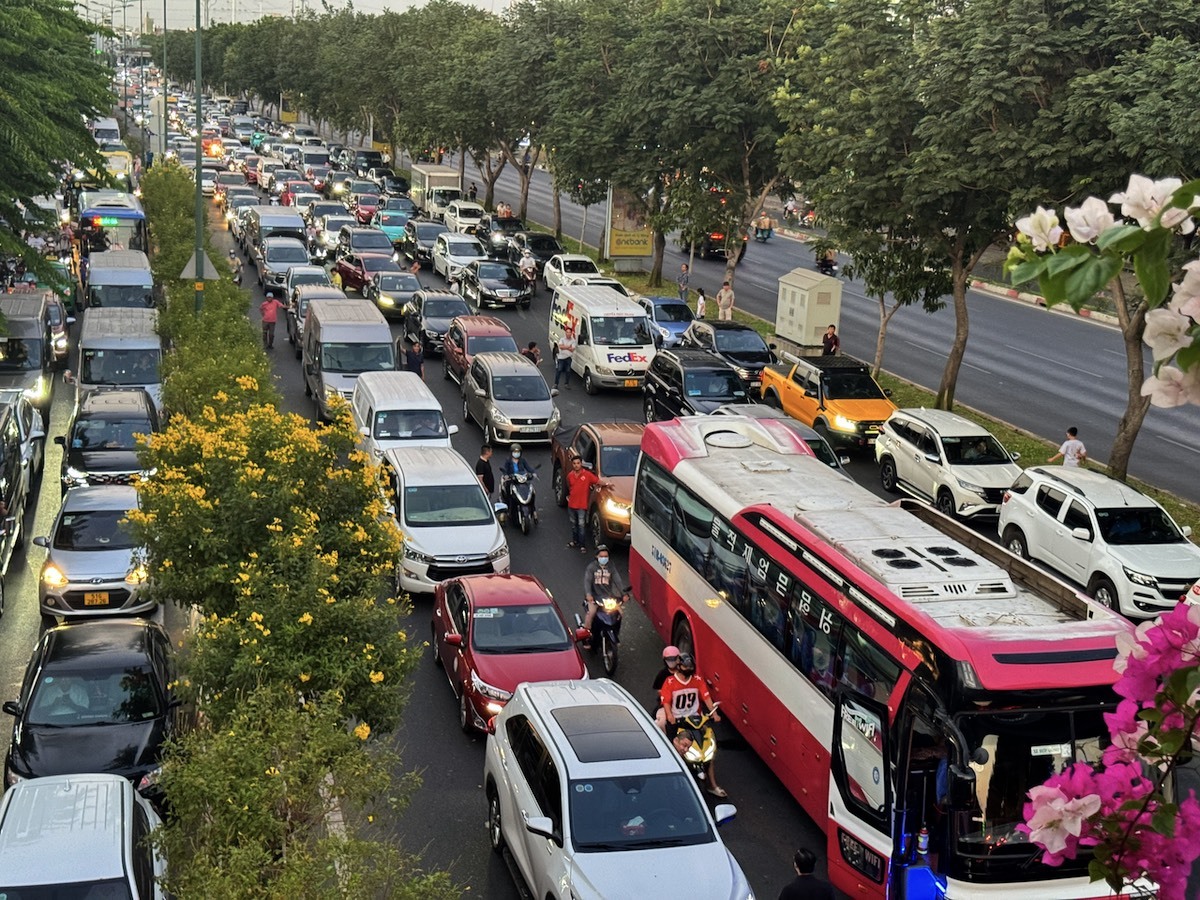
[[396, 409], [614, 339], [119, 278], [342, 340], [119, 347], [448, 522]]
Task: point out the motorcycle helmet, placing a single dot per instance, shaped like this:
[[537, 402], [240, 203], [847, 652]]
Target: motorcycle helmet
[[687, 665], [670, 657], [516, 451]]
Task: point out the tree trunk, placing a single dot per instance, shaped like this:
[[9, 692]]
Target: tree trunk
[[489, 172], [656, 267], [752, 205], [958, 349], [885, 318], [557, 214], [462, 167], [1133, 324]]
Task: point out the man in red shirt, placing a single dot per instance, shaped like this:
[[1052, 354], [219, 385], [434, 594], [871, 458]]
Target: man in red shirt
[[580, 482], [681, 696], [270, 315]]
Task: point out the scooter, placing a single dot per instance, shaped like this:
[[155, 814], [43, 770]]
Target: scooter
[[827, 266], [606, 631], [517, 491], [704, 744], [762, 235]]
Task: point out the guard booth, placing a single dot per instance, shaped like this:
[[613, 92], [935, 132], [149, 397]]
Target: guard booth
[[807, 304]]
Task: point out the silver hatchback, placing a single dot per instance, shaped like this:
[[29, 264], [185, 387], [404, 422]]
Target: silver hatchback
[[93, 565], [509, 399]]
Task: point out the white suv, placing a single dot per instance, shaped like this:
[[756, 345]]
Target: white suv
[[945, 460], [592, 801], [1100, 533]]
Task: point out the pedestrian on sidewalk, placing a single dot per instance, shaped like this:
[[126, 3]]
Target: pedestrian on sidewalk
[[682, 281], [831, 344], [269, 309], [725, 302], [1072, 452], [700, 303], [806, 885], [472, 192], [564, 352]]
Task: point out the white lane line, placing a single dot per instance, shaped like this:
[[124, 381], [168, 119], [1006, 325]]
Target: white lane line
[[1053, 361], [942, 352], [1191, 448]]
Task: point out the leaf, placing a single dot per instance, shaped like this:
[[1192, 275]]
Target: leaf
[[1122, 239], [1085, 282], [1054, 290], [1189, 356], [1027, 271], [1163, 820], [1150, 265], [1067, 259]]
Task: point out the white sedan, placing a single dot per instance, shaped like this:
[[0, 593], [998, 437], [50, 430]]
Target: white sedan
[[453, 252], [569, 268], [463, 216]]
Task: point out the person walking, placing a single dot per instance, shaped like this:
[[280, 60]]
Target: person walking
[[806, 885], [414, 359], [484, 471], [532, 353], [269, 309], [682, 281], [579, 490], [472, 192], [725, 302], [564, 353], [1072, 452], [831, 344], [700, 303]]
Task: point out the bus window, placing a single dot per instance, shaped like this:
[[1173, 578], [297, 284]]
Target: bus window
[[815, 629], [654, 497], [693, 523], [729, 567], [767, 599], [866, 668]]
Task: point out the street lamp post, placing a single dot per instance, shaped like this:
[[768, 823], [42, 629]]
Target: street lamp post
[[199, 172]]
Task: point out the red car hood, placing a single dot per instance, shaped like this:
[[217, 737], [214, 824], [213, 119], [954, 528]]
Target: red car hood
[[507, 670]]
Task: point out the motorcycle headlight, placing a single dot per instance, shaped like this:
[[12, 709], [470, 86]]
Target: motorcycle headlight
[[841, 423], [52, 576], [490, 691], [136, 575]]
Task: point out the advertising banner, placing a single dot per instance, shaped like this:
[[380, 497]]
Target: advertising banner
[[627, 233]]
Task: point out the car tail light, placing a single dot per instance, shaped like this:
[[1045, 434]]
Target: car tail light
[[1007, 495]]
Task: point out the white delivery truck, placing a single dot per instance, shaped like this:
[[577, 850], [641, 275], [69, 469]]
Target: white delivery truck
[[433, 188], [614, 342]]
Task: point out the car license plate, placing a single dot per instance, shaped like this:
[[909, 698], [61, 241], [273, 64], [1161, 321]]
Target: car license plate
[[95, 598], [631, 382], [529, 429]]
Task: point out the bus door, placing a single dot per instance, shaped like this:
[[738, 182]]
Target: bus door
[[859, 836]]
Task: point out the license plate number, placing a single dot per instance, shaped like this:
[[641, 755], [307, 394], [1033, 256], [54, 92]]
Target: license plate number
[[95, 598], [528, 429], [631, 382]]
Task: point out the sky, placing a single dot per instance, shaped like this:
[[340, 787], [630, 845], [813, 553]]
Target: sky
[[182, 13]]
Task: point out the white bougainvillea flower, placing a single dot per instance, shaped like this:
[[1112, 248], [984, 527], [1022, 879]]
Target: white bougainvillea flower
[[1144, 199], [1089, 219], [1041, 228], [1166, 332], [1171, 387], [1185, 298], [1055, 817]]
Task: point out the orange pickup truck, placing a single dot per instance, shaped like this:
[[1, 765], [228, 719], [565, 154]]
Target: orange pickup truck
[[836, 395]]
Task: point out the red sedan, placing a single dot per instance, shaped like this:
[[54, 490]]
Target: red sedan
[[291, 189], [364, 206], [490, 633], [354, 270]]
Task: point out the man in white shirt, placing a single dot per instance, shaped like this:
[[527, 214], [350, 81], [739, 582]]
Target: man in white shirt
[[564, 351], [1072, 452]]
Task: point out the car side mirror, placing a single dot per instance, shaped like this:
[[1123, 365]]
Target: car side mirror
[[724, 812], [452, 429], [543, 826], [42, 541], [1081, 534], [12, 707], [61, 440], [37, 434], [809, 392], [582, 634], [933, 458], [480, 392], [1014, 456], [364, 431], [70, 320], [844, 460], [887, 392], [1186, 530], [453, 640]]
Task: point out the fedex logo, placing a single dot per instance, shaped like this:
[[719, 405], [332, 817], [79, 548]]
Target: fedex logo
[[629, 357]]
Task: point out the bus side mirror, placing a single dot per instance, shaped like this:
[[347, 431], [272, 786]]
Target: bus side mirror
[[962, 788]]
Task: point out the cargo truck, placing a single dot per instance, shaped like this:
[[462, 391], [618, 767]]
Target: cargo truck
[[434, 188]]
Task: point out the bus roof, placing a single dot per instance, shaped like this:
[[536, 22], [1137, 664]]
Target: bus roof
[[110, 202]]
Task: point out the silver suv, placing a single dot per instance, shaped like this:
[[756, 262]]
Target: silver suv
[[945, 460], [509, 399], [1100, 533], [591, 800]]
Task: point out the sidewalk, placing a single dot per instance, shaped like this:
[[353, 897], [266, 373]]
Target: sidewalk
[[1000, 290]]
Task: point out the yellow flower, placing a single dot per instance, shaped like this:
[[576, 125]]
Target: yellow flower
[[305, 619], [256, 616], [272, 771], [362, 731], [376, 677], [304, 676]]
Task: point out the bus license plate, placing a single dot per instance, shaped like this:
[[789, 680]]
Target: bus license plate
[[631, 382], [95, 598]]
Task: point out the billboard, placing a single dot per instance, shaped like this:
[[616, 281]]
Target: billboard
[[627, 233]]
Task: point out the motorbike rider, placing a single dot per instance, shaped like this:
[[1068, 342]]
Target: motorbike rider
[[514, 465], [763, 227], [528, 267], [601, 581], [681, 696], [670, 658]]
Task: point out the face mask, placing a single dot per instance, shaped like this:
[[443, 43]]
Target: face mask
[[516, 456], [603, 560]]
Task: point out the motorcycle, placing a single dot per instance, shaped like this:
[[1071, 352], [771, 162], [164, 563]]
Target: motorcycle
[[762, 235], [530, 276], [827, 266], [606, 631], [704, 744], [517, 492]]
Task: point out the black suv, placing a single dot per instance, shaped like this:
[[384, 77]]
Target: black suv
[[427, 317], [419, 237], [100, 446], [688, 382], [494, 232], [739, 345], [542, 246]]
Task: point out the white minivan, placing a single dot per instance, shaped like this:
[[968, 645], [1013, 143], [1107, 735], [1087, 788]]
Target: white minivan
[[447, 520], [396, 409], [613, 336], [342, 340]]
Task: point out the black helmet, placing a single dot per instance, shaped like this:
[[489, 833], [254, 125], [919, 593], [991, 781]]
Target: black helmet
[[687, 665], [601, 548]]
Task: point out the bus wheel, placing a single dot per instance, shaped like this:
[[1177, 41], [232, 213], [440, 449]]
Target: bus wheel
[[681, 637]]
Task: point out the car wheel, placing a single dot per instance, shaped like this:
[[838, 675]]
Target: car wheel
[[495, 827], [46, 623], [1014, 543], [823, 430], [445, 367], [945, 504], [648, 410], [299, 350], [887, 475], [1104, 592], [465, 716], [466, 410], [681, 637], [589, 384], [771, 399], [597, 527], [560, 486], [433, 647]]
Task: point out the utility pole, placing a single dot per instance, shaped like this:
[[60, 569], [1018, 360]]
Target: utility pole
[[199, 169], [166, 90]]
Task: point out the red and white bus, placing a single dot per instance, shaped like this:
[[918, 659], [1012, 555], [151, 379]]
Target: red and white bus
[[897, 671]]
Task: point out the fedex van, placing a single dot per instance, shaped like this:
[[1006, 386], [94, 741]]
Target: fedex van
[[614, 340]]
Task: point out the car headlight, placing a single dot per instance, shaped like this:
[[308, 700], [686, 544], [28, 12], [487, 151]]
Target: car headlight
[[499, 553], [149, 780], [616, 508], [385, 300], [331, 392], [603, 370], [136, 575], [52, 576], [841, 423], [967, 486], [666, 335], [412, 554], [74, 474], [489, 690], [36, 390], [431, 334], [555, 418], [1138, 578], [500, 418]]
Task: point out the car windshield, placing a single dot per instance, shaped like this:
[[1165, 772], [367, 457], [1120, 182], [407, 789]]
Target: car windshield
[[398, 282], [630, 331], [110, 889], [285, 175], [444, 309], [231, 178], [469, 212], [120, 366], [520, 387], [715, 384], [292, 253], [325, 208], [446, 504], [619, 460], [852, 386], [364, 187], [393, 218], [543, 243], [535, 628], [487, 343], [378, 263], [497, 271], [737, 340], [334, 223], [107, 434], [427, 231], [352, 358], [126, 296], [401, 203], [20, 354], [1137, 525], [94, 529], [673, 312], [464, 248], [398, 425], [97, 696], [975, 451], [372, 240], [637, 812], [580, 267]]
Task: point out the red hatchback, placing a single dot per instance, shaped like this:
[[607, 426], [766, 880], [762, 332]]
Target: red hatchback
[[363, 206], [354, 270], [492, 632]]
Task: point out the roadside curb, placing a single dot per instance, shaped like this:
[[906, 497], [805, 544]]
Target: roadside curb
[[998, 290]]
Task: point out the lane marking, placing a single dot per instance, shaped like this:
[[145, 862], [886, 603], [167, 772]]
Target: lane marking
[[1053, 361]]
